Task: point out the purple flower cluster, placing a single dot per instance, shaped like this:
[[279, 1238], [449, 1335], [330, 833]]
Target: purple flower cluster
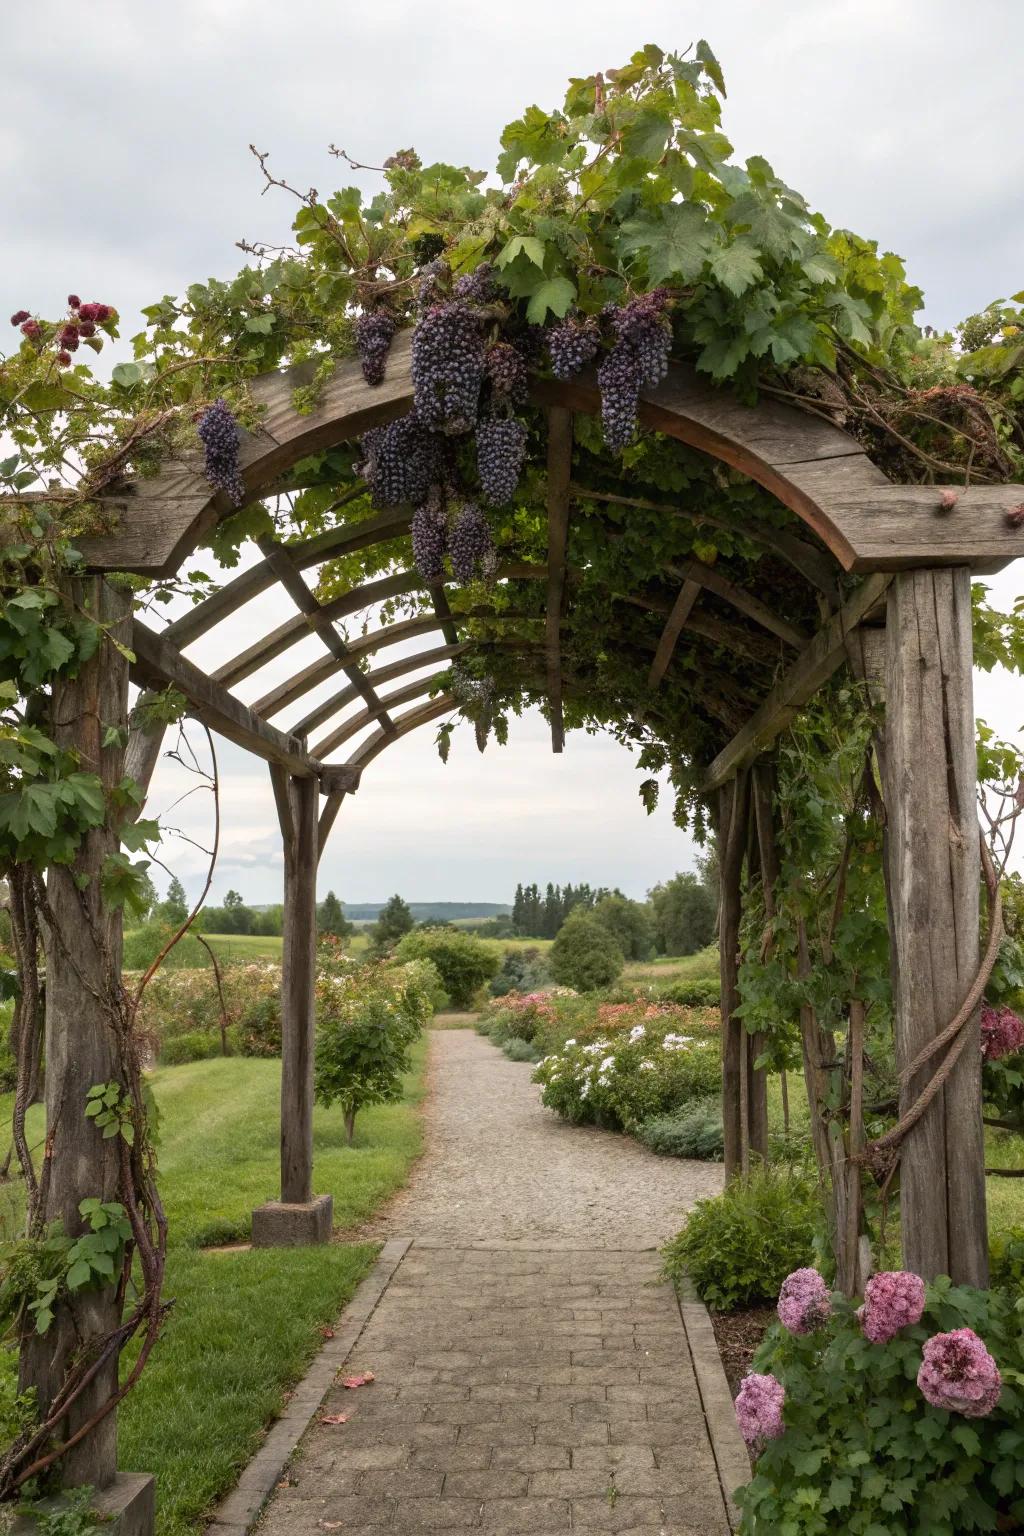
[[804, 1301], [893, 1300], [759, 1405], [1002, 1033], [958, 1374]]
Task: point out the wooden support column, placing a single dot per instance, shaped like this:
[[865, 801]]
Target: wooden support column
[[935, 877], [297, 1218], [83, 972], [733, 810]]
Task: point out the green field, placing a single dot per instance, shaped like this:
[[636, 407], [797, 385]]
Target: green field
[[245, 1324]]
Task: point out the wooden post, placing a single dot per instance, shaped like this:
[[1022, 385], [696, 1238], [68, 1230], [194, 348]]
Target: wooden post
[[934, 874], [83, 972], [297, 1218], [732, 840]]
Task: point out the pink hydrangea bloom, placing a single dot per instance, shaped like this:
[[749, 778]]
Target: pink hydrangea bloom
[[958, 1374], [759, 1405], [804, 1301], [1002, 1033], [893, 1300]]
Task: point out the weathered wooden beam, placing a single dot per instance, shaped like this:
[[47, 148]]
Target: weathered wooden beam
[[900, 527], [739, 598], [351, 727], [560, 437], [328, 816], [410, 721], [380, 675], [934, 863], [159, 665], [822, 657], [681, 610], [298, 978]]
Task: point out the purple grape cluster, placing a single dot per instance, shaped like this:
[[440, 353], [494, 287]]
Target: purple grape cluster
[[618, 379], [374, 330], [430, 537], [400, 461], [505, 367], [500, 450], [448, 366], [476, 697], [572, 345], [470, 545], [643, 325], [220, 437], [639, 358], [476, 286], [432, 284]]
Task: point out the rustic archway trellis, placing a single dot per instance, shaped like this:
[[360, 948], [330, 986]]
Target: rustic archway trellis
[[913, 565]]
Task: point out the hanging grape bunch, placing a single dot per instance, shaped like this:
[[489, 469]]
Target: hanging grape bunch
[[506, 371], [400, 461], [374, 330], [500, 450], [572, 345], [220, 437], [447, 366], [430, 537], [638, 359], [476, 286], [470, 545], [476, 697]]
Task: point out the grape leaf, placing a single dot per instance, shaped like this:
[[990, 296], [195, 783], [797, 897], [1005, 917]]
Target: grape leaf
[[556, 294], [737, 266], [676, 245], [525, 245]]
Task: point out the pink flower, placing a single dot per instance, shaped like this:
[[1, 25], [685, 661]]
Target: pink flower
[[958, 1374], [804, 1301], [892, 1300], [759, 1405], [1002, 1033]]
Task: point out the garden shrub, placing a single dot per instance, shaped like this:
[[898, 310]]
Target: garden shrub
[[365, 1023], [195, 1045], [694, 1131], [520, 1050], [517, 1017], [1006, 1259], [853, 1440], [704, 992], [738, 1247], [463, 963], [187, 1003], [142, 945], [584, 954], [624, 1077], [522, 970]]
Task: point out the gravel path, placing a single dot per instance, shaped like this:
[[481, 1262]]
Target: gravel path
[[500, 1169]]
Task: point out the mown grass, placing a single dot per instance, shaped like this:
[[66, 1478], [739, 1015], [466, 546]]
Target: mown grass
[[245, 1324]]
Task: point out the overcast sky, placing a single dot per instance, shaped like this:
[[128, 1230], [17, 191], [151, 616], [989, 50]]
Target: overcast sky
[[125, 175]]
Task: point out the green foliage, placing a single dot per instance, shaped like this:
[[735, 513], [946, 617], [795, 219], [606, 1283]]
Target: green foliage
[[37, 1273], [173, 909], [694, 1131], [1006, 1260], [394, 921], [142, 945], [738, 1247], [585, 954], [366, 1021], [692, 994], [623, 1077], [463, 963], [684, 914], [864, 1453], [72, 1516], [330, 918], [629, 925], [520, 1050], [522, 970]]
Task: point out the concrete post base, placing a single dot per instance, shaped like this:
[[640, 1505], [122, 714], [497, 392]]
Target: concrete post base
[[277, 1225], [128, 1503]]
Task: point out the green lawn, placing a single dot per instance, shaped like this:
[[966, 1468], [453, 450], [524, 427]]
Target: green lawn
[[245, 1324], [238, 948]]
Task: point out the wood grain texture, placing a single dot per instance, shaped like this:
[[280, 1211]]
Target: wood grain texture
[[674, 625], [364, 717], [298, 978], [411, 721], [934, 867], [560, 436], [83, 968], [816, 663], [733, 812]]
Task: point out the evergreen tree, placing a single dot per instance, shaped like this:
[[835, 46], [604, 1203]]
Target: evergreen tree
[[394, 921], [174, 907], [330, 917]]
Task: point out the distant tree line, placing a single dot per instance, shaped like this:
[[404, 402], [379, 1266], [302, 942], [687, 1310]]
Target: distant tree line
[[539, 917], [678, 918]]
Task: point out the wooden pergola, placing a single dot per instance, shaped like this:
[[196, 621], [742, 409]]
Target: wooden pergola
[[909, 615]]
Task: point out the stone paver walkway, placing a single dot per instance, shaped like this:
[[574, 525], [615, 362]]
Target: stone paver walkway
[[532, 1374]]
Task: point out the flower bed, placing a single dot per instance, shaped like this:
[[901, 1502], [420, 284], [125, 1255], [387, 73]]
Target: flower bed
[[902, 1415]]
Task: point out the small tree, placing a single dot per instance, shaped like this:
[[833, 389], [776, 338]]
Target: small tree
[[330, 918], [585, 955], [366, 1022], [463, 963], [629, 925], [174, 907], [684, 914], [394, 921]]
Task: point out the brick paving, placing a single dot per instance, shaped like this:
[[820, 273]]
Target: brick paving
[[517, 1389]]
